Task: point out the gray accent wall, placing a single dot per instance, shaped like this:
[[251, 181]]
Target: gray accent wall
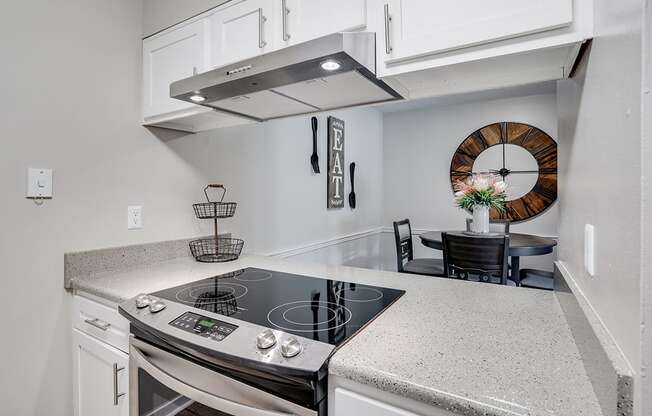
[[418, 145], [600, 172]]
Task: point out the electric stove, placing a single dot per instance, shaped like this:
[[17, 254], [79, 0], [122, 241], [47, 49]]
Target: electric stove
[[270, 330]]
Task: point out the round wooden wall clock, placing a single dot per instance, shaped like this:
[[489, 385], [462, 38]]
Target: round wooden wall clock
[[523, 155]]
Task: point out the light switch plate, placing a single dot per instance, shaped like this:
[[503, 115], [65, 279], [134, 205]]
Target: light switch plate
[[39, 183], [589, 249], [134, 217]]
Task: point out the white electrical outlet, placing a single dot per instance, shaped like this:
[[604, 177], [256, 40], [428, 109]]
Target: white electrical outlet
[[134, 217], [39, 183], [589, 249]]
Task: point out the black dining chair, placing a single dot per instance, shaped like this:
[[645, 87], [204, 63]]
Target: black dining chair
[[406, 263], [495, 226], [482, 259]]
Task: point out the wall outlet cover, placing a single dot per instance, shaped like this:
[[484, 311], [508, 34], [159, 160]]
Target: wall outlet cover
[[134, 217], [39, 183]]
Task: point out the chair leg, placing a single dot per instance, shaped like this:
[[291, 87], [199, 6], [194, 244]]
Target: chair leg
[[516, 270]]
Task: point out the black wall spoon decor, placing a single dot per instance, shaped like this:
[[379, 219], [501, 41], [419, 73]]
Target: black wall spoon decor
[[352, 194]]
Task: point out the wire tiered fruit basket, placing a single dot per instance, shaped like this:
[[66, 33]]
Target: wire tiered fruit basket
[[215, 249]]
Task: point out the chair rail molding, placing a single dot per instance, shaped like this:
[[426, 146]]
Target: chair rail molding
[[307, 248]]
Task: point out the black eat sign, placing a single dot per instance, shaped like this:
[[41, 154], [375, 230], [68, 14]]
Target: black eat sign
[[335, 194]]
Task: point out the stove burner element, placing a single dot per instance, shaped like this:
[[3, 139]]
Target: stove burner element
[[314, 309], [254, 276], [336, 316], [211, 292], [359, 294]]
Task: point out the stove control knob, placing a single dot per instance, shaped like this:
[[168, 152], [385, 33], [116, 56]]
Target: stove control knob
[[266, 339], [143, 301], [290, 347], [157, 306]]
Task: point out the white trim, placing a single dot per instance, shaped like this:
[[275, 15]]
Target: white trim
[[594, 319], [324, 243], [307, 248], [419, 231]]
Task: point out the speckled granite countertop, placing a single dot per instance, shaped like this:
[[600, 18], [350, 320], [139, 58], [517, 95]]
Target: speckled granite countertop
[[471, 348]]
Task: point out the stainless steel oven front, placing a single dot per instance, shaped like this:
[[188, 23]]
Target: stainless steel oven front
[[165, 384]]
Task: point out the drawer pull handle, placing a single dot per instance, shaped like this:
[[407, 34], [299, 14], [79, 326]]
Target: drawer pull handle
[[116, 395], [98, 324]]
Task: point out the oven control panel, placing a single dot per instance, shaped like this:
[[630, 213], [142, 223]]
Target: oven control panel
[[203, 326]]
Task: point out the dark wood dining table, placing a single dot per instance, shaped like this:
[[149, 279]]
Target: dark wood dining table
[[519, 245]]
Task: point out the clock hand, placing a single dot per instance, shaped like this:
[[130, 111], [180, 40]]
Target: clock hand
[[502, 172]]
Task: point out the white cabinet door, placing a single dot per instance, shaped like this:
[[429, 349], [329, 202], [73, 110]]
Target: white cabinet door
[[100, 374], [242, 29], [170, 57], [413, 28], [311, 19]]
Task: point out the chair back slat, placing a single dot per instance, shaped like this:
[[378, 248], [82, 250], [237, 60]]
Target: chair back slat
[[403, 239], [481, 258]]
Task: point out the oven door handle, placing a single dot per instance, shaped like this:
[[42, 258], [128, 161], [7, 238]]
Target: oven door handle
[[139, 359]]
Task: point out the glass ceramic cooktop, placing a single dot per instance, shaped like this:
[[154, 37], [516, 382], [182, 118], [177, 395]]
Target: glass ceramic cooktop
[[324, 310]]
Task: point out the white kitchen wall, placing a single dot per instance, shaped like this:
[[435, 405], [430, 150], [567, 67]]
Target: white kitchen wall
[[417, 148], [646, 229], [600, 166], [72, 102]]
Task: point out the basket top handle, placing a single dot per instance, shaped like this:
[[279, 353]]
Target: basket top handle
[[215, 185]]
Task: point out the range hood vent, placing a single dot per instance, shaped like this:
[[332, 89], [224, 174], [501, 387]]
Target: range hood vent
[[331, 72]]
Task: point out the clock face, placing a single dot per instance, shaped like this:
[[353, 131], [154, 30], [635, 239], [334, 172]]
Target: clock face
[[523, 155]]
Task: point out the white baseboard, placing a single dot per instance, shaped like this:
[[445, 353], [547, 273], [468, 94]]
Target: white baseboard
[[324, 243]]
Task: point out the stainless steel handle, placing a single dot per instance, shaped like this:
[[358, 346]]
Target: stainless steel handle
[[116, 395], [208, 387], [388, 18], [261, 29], [98, 324], [286, 11]]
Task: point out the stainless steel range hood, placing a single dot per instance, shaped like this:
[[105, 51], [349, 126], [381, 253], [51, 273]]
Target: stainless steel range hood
[[331, 72]]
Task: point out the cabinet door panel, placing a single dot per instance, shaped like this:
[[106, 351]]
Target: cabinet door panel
[[241, 30], [350, 403], [426, 27], [311, 19], [167, 58], [93, 377]]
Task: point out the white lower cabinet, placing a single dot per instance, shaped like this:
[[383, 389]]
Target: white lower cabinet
[[100, 377], [349, 398], [349, 403]]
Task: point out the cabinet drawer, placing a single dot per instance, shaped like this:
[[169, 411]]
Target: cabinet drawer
[[101, 322], [350, 403]]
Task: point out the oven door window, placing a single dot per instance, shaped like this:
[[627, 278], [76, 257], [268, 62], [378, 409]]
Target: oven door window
[[155, 399]]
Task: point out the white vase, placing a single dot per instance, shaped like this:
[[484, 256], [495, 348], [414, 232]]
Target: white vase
[[480, 219]]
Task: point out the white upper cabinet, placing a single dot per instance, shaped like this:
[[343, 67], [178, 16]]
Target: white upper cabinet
[[169, 57], [242, 29], [414, 28], [303, 20]]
